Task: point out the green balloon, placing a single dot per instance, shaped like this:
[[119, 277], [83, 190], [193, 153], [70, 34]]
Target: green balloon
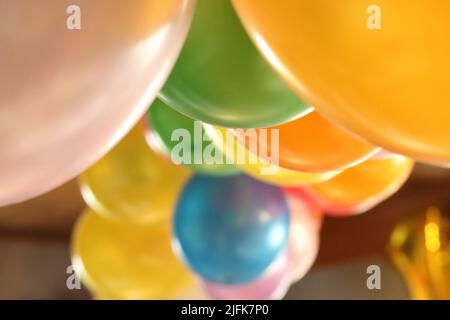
[[163, 122], [221, 79]]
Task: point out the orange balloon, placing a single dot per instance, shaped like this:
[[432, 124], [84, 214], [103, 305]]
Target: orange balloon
[[311, 144], [379, 68], [362, 187]]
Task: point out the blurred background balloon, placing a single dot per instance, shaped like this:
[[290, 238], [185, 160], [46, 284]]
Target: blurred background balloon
[[123, 261], [304, 233], [164, 124], [420, 248], [229, 230], [272, 285], [133, 184], [362, 187], [259, 168], [67, 96], [381, 70], [220, 77], [309, 144]]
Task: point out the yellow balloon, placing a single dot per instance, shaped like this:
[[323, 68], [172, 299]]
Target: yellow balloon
[[259, 168], [124, 261], [379, 68], [420, 248], [132, 183]]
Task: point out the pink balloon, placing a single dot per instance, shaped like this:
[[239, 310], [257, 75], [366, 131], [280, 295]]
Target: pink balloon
[[68, 96], [304, 233], [272, 285]]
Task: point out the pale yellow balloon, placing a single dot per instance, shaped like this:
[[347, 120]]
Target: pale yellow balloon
[[258, 167], [123, 261], [132, 183]]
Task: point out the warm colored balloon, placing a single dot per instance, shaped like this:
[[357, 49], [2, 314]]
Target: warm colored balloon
[[132, 183], [67, 96], [304, 233], [220, 77], [229, 230], [362, 187], [168, 131], [259, 168], [122, 261], [380, 68], [420, 248], [273, 285], [310, 144]]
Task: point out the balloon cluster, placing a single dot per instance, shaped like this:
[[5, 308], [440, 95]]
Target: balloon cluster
[[306, 83]]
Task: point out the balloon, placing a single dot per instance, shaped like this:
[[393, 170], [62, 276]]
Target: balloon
[[273, 285], [230, 229], [132, 183], [259, 168], [220, 77], [381, 70], [164, 123], [127, 261], [304, 233], [420, 247], [67, 96], [362, 187], [310, 144]]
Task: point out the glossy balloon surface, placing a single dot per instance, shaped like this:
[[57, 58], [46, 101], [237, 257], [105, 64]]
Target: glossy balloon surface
[[304, 233], [220, 77], [122, 261], [67, 96], [362, 187], [259, 168], [272, 285], [379, 68], [310, 144], [229, 230], [168, 130], [133, 184]]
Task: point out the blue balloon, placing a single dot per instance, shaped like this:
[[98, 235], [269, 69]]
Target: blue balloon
[[230, 229]]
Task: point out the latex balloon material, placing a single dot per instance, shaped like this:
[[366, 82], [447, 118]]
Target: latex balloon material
[[229, 230], [133, 184], [308, 144], [304, 233], [127, 261], [182, 139], [258, 167], [273, 285], [220, 77], [420, 248], [67, 96], [379, 69], [362, 187]]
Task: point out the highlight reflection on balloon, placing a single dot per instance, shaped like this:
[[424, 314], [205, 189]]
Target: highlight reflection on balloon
[[309, 144], [67, 96], [272, 285], [362, 187], [230, 229], [304, 233], [168, 130], [126, 261], [220, 77], [258, 167], [420, 248], [133, 184], [380, 69]]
